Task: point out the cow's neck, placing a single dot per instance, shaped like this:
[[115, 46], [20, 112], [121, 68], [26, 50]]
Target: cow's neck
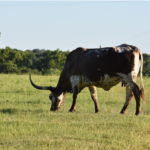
[[64, 83]]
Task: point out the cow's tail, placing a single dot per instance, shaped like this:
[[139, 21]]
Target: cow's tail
[[141, 78]]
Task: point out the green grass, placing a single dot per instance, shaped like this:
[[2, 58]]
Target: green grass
[[27, 123]]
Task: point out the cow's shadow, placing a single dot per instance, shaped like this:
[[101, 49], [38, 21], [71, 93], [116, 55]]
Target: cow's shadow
[[8, 111]]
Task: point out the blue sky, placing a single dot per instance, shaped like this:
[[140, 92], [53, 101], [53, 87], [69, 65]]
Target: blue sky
[[67, 25]]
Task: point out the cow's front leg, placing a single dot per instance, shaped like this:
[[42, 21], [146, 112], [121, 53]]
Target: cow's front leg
[[75, 96], [94, 97]]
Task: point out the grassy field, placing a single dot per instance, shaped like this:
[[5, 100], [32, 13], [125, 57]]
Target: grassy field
[[27, 123]]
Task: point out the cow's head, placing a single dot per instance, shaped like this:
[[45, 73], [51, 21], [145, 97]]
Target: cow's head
[[56, 96]]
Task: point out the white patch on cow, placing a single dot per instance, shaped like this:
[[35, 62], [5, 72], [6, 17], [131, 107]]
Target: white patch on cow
[[119, 49], [136, 68], [98, 69], [127, 78], [106, 76], [60, 98], [75, 80], [79, 81], [98, 55]]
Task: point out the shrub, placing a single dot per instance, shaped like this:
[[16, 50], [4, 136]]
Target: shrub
[[51, 71]]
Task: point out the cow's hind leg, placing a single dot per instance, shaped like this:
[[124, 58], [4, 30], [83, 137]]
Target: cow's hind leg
[[135, 89], [136, 92], [129, 95], [94, 97], [75, 96]]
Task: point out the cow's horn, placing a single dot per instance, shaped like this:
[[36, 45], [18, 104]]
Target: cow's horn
[[39, 87]]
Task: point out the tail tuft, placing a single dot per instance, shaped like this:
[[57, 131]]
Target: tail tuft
[[143, 94]]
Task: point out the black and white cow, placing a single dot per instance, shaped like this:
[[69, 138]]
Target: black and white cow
[[101, 67]]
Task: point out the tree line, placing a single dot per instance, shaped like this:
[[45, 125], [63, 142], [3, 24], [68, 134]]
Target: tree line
[[46, 62], [35, 61]]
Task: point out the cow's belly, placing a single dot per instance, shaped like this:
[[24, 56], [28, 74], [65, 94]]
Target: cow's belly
[[107, 83]]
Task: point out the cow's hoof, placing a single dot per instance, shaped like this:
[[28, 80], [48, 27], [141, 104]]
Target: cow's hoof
[[123, 112], [137, 113], [71, 110], [97, 111]]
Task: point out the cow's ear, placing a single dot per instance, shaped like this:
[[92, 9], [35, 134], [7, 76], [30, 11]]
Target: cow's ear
[[52, 89]]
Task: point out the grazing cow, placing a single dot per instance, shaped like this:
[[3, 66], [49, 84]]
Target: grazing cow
[[101, 67]]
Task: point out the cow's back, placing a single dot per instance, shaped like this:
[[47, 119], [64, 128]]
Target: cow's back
[[96, 63]]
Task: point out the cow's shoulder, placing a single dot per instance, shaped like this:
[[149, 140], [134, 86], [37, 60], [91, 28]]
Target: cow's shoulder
[[75, 52]]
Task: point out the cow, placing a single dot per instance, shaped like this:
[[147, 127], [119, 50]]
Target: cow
[[102, 68]]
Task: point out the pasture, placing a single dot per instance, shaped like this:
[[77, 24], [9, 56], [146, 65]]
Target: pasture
[[27, 123]]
